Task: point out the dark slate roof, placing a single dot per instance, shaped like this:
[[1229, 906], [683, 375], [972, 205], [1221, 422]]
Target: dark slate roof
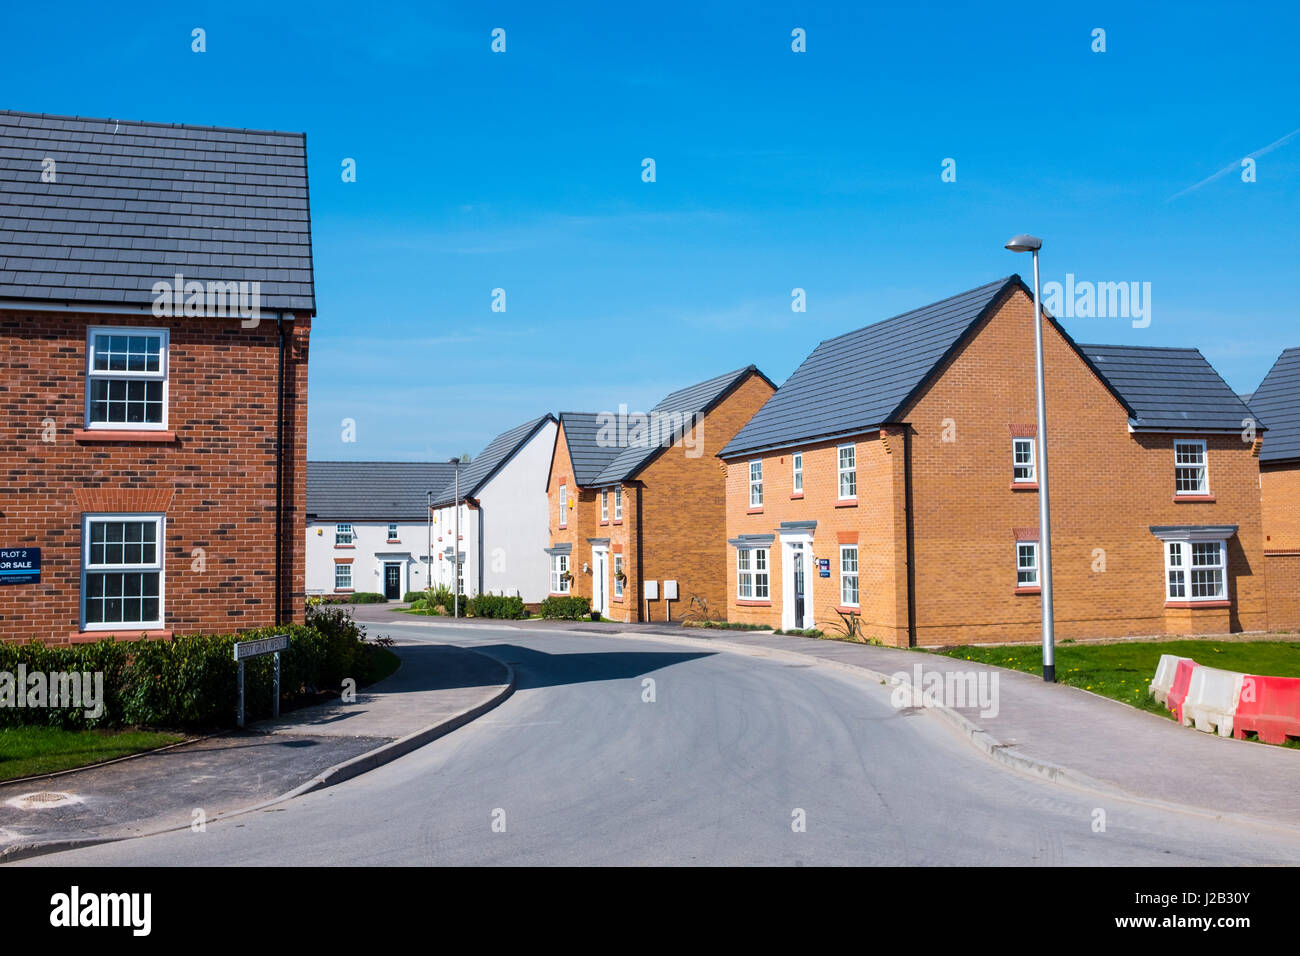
[[687, 402], [1169, 388], [490, 460], [134, 203], [863, 379], [1277, 403], [373, 490], [589, 458]]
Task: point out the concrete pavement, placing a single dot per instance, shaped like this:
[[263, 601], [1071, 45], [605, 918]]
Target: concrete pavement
[[437, 689]]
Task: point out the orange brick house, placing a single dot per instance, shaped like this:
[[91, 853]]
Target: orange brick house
[[638, 501], [1277, 404], [892, 481], [155, 451]]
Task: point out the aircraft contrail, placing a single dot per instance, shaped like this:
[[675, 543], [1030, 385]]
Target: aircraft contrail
[[1237, 165]]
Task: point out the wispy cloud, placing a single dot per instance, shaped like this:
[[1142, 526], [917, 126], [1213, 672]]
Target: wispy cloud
[[1231, 167]]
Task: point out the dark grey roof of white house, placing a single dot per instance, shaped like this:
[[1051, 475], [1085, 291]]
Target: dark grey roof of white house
[[373, 490], [588, 455], [864, 379], [490, 460], [1169, 388], [134, 203], [681, 405], [1277, 403]]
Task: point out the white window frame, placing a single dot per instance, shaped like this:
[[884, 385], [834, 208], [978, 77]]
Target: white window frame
[[340, 534], [1022, 568], [1204, 487], [158, 565], [1031, 466], [1180, 566], [604, 505], [392, 531], [349, 586], [850, 472], [618, 566], [847, 575], [618, 503], [796, 472], [753, 574], [564, 506], [559, 565], [756, 484], [164, 362]]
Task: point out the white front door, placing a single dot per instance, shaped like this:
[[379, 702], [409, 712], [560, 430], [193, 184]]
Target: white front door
[[600, 580], [796, 581]]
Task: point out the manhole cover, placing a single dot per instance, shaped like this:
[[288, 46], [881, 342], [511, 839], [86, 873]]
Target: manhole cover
[[43, 799]]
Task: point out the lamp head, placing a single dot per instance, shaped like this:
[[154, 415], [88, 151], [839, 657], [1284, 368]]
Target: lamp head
[[1024, 243]]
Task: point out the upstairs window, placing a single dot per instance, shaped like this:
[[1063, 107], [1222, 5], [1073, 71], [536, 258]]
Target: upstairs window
[[797, 460], [1190, 476], [848, 462], [1024, 466], [392, 532], [564, 506], [342, 534], [618, 504], [756, 484], [604, 506], [126, 379]]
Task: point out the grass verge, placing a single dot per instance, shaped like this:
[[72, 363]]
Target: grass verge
[[1123, 671], [28, 751]]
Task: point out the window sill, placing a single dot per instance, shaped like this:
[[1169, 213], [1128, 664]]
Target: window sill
[[796, 496], [1036, 589], [847, 503], [741, 602], [850, 609], [1188, 498], [345, 590], [604, 524], [619, 521], [1192, 605], [345, 547], [559, 594], [617, 600], [137, 436], [754, 511], [393, 541], [142, 634], [1024, 486]]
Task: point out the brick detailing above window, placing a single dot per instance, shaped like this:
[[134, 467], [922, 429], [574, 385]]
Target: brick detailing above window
[[1023, 431], [846, 537], [1025, 534], [123, 500]]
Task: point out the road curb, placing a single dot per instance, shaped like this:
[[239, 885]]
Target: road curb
[[340, 772], [982, 740]]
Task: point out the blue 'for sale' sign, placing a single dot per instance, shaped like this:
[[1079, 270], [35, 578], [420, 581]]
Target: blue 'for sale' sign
[[20, 565]]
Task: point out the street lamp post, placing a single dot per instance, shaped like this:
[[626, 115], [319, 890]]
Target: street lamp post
[[1032, 244], [428, 560], [455, 549]]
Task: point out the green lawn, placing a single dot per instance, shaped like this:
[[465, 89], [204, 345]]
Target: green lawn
[[1123, 671], [27, 751]]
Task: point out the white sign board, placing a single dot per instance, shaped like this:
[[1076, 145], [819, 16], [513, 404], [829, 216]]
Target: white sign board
[[670, 590], [652, 590], [246, 649]]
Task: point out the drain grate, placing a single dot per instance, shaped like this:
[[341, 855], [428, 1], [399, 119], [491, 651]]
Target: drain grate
[[42, 799]]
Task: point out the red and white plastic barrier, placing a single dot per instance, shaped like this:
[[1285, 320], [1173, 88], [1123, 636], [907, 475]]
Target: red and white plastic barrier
[[1270, 707], [1227, 702]]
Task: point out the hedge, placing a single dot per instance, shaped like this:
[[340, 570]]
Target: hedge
[[567, 608], [190, 681], [495, 605]]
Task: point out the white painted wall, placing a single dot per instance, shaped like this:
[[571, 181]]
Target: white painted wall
[[370, 552], [514, 522]]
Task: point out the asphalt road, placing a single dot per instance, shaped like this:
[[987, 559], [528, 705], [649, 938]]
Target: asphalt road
[[577, 768]]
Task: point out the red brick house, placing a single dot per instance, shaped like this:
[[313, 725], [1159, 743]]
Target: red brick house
[[891, 481], [156, 295], [637, 501]]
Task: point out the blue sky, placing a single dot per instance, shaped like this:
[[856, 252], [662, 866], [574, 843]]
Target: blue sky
[[775, 170]]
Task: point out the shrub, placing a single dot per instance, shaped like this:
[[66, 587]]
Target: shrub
[[495, 605], [441, 595], [366, 597], [410, 597], [566, 608]]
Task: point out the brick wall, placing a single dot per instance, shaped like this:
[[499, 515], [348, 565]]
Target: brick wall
[[215, 481], [1280, 507]]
